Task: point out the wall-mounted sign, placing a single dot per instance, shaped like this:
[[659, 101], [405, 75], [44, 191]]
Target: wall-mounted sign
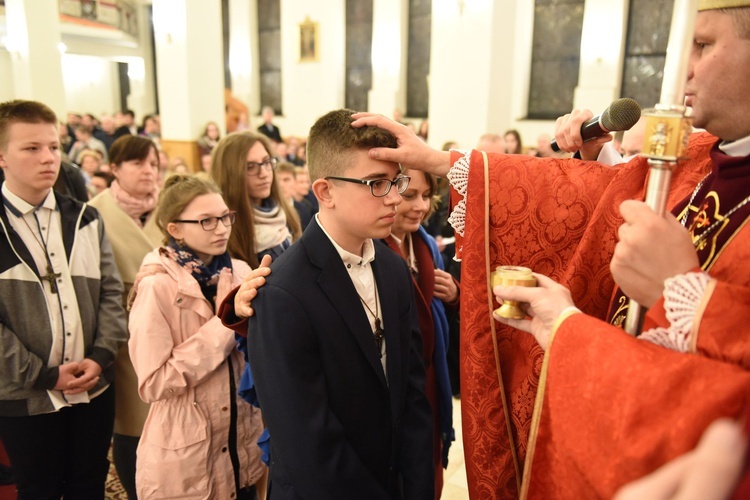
[[118, 14]]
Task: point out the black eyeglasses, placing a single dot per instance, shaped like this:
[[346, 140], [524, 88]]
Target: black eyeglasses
[[253, 167], [379, 187], [211, 223]]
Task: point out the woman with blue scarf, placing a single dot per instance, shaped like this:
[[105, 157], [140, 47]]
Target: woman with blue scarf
[[433, 290]]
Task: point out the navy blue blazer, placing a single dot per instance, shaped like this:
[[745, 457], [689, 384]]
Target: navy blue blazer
[[338, 429]]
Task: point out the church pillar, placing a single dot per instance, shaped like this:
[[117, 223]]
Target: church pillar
[[389, 36], [470, 70], [33, 41], [190, 73], [243, 23], [602, 48]]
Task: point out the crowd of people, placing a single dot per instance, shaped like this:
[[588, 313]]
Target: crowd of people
[[283, 323], [175, 251]]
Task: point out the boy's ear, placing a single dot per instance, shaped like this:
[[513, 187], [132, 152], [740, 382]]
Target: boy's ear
[[322, 190]]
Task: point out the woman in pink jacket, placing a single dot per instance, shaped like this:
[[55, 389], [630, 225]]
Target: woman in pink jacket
[[199, 438]]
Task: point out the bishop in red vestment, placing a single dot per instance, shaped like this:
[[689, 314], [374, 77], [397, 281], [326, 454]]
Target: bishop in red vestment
[[600, 408], [560, 218]]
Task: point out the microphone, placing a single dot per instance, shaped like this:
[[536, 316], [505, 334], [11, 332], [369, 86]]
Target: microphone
[[622, 114]]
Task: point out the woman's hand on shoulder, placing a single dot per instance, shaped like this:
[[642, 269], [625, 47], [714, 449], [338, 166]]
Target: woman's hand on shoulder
[[249, 288]]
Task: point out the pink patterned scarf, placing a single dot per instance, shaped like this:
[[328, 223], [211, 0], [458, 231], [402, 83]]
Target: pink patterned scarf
[[134, 207]]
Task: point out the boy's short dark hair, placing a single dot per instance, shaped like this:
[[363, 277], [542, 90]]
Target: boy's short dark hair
[[20, 111], [332, 140]]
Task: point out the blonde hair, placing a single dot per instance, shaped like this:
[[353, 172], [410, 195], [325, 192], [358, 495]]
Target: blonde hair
[[432, 183], [178, 191], [86, 153], [287, 167], [228, 167]]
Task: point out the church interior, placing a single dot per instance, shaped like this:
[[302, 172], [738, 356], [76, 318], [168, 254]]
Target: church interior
[[466, 67], [470, 67]]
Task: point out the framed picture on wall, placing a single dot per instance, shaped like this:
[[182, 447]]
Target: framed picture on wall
[[309, 42]]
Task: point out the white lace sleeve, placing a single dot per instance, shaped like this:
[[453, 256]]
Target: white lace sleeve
[[458, 176], [682, 297]]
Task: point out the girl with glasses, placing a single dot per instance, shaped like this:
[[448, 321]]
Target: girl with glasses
[[199, 440], [243, 167]]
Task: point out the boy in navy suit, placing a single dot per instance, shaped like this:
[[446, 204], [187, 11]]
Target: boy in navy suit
[[334, 346]]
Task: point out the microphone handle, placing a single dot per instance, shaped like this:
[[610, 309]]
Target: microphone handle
[[591, 129]]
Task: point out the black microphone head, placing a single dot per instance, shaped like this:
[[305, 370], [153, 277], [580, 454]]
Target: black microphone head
[[622, 114]]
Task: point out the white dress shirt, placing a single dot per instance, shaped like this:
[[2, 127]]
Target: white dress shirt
[[360, 272], [40, 227]]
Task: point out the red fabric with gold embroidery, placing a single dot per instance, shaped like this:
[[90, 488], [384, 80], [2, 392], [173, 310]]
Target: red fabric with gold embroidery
[[558, 217]]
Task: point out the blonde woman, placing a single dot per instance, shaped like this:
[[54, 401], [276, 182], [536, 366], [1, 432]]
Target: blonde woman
[[199, 440]]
